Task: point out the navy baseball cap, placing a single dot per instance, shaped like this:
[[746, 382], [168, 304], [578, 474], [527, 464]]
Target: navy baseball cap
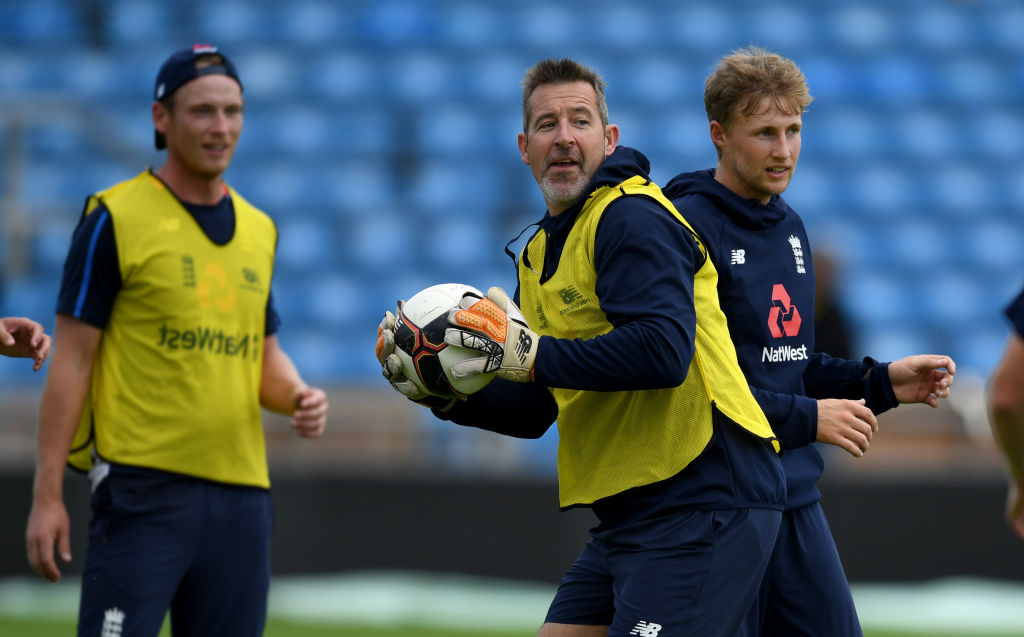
[[181, 68]]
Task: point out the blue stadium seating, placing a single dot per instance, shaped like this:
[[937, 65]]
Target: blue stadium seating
[[41, 24], [381, 138]]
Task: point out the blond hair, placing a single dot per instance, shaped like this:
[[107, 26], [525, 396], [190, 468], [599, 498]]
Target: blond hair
[[745, 77]]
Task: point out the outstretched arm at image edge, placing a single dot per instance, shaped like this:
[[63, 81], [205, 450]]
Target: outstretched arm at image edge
[[64, 393], [1006, 414]]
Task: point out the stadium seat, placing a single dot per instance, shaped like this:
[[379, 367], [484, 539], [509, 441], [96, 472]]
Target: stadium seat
[[270, 74], [33, 295], [131, 23], [460, 242], [707, 27], [994, 243], [881, 190], [404, 22], [786, 27], [343, 74], [466, 130], [236, 24], [956, 190], [274, 187], [420, 74], [314, 23], [42, 24], [860, 26], [452, 183], [900, 78], [470, 25], [1002, 26], [355, 186], [49, 247], [383, 241], [940, 27], [983, 78], [996, 131], [832, 78], [304, 245]]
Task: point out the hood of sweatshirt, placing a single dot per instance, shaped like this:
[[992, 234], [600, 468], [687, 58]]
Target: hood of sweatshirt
[[749, 213]]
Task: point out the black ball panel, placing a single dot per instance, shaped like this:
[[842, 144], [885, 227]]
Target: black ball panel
[[423, 344]]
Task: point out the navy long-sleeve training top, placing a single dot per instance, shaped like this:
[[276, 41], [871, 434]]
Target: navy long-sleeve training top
[[766, 289], [645, 262]]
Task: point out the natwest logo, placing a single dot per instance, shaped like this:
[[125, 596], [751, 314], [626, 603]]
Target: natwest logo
[[784, 318]]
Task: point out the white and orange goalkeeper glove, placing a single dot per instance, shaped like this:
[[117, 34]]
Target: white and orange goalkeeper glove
[[497, 329]]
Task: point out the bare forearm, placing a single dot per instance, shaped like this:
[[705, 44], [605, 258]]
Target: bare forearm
[[1008, 429], [1006, 406], [59, 411], [280, 382]]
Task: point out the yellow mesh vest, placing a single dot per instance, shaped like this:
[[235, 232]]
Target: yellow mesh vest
[[175, 383], [613, 441]]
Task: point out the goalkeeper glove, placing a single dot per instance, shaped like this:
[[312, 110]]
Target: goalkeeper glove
[[498, 330], [391, 367]]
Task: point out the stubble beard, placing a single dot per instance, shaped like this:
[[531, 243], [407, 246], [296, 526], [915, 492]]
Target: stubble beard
[[565, 191]]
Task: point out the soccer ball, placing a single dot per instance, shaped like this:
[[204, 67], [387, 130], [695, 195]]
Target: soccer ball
[[419, 342]]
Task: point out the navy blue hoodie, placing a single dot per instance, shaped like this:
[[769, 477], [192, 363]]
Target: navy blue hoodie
[[645, 262], [766, 289]]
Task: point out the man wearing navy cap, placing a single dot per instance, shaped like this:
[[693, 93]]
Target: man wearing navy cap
[[166, 349]]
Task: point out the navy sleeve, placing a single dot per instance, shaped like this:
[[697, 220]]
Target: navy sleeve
[[273, 319], [828, 377], [645, 265], [92, 276], [521, 410], [1015, 312], [793, 418]]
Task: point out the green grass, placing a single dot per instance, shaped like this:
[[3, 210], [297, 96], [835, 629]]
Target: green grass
[[279, 628], [38, 627]]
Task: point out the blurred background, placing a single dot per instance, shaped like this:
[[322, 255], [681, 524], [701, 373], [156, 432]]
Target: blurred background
[[381, 137]]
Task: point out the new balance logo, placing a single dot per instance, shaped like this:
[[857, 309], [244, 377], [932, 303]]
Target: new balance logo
[[646, 629], [113, 622], [739, 257], [523, 346]]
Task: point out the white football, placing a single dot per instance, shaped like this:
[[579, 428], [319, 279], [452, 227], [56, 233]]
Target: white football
[[419, 342]]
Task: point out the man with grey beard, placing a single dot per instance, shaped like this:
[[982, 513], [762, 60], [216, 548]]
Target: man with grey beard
[[621, 338]]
